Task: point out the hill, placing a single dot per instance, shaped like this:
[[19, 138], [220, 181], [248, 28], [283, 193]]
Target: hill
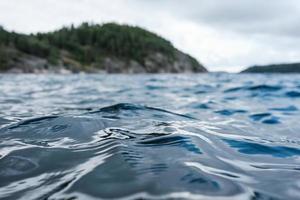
[[278, 68], [110, 48]]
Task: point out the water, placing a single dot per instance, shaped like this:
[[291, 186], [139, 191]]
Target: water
[[210, 136]]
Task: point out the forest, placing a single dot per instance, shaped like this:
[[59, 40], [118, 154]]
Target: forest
[[86, 44]]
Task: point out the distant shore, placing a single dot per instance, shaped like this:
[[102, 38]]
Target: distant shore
[[275, 68]]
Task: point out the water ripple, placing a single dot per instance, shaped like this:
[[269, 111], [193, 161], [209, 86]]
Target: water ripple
[[216, 136]]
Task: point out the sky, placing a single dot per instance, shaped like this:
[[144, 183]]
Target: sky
[[223, 35]]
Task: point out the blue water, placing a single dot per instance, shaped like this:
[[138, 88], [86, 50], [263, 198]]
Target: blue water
[[210, 136]]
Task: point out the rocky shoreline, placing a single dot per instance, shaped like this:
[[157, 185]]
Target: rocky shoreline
[[155, 63]]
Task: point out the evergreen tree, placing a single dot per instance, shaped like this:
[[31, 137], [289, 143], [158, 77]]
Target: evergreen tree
[[88, 43]]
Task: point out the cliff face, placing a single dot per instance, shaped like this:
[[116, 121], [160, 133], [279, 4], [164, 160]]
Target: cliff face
[[279, 68], [154, 63], [108, 48]]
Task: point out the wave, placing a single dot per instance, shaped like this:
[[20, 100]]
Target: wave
[[58, 155], [218, 136]]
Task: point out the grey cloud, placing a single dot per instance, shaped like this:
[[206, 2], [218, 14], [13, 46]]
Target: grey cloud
[[279, 17], [222, 34]]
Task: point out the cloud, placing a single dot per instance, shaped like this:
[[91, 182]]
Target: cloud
[[222, 34], [247, 16]]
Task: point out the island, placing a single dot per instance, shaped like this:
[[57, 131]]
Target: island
[[276, 68], [93, 48]]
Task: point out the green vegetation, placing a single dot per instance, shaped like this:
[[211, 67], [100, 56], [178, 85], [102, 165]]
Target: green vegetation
[[108, 47], [87, 43], [3, 59], [279, 68]]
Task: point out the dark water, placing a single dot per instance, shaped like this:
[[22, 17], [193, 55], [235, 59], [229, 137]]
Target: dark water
[[214, 136]]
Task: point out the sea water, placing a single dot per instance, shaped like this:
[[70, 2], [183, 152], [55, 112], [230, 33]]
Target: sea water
[[201, 136]]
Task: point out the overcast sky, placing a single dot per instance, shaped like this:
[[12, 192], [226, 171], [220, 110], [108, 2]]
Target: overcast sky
[[224, 35]]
